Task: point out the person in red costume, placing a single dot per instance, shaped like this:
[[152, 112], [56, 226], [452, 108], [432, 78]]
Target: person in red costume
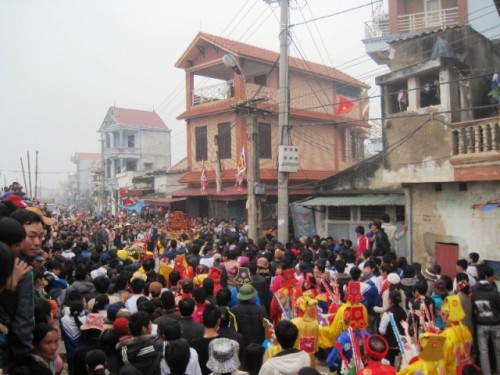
[[284, 300], [376, 349]]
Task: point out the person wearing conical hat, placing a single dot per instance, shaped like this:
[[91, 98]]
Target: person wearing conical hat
[[308, 326], [328, 335], [284, 300], [458, 343], [430, 361]]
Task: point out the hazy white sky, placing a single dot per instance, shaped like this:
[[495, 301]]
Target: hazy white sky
[[63, 63]]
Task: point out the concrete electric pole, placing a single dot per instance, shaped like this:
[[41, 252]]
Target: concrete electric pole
[[253, 167], [283, 126]]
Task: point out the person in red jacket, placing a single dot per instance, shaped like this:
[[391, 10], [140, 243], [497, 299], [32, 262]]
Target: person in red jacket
[[363, 241]]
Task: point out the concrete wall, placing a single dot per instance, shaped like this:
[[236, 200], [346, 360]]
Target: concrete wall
[[365, 176], [448, 217], [155, 148], [321, 147], [418, 149]]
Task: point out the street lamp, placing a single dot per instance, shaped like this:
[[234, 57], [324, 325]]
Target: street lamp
[[253, 175], [230, 62]]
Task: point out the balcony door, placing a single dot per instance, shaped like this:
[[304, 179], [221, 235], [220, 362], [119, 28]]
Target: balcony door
[[432, 5], [433, 14]]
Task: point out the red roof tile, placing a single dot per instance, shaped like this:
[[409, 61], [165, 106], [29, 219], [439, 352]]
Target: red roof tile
[[265, 175], [138, 118], [248, 51], [233, 191]]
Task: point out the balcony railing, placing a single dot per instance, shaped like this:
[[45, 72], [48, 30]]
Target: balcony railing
[[377, 28], [213, 93], [418, 22], [478, 136], [313, 99], [121, 151]]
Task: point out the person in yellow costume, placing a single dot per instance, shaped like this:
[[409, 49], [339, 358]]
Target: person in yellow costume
[[328, 335], [308, 327], [430, 361], [458, 339]]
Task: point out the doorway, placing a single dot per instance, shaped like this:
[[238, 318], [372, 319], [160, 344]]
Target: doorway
[[446, 257]]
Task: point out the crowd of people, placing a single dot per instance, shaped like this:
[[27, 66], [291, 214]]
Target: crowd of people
[[127, 296]]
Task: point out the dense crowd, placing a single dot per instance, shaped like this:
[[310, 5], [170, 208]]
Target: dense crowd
[[128, 296]]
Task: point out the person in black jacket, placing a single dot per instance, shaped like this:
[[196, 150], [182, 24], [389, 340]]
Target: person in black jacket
[[487, 312], [143, 350], [249, 316], [379, 241]]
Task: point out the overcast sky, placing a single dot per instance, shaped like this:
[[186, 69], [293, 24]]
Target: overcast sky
[[63, 63]]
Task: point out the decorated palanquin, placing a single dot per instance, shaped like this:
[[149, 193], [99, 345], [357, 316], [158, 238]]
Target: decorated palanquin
[[178, 223]]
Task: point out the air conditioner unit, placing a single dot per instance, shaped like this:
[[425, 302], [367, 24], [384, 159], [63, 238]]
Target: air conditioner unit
[[288, 158]]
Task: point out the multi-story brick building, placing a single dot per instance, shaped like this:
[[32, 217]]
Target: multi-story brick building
[[217, 123]]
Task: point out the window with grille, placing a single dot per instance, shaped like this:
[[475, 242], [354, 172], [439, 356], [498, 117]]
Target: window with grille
[[339, 213], [368, 213], [224, 140], [265, 151], [201, 149]]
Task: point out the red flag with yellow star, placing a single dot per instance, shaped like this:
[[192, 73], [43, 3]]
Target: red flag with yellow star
[[343, 106]]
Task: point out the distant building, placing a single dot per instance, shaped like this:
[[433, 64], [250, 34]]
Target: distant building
[[133, 142], [81, 182]]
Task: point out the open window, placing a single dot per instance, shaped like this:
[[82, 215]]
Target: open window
[[429, 90]]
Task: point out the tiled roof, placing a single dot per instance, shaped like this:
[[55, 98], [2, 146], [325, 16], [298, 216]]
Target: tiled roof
[[265, 175], [256, 53], [232, 191], [136, 117]]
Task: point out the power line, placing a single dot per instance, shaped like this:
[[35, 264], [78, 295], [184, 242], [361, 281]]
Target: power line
[[336, 14]]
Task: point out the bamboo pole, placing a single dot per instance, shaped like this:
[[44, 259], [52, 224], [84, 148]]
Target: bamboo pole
[[29, 174]]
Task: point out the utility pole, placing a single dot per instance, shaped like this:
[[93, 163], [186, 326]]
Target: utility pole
[[218, 172], [36, 176], [253, 170], [253, 165], [29, 175], [283, 127]]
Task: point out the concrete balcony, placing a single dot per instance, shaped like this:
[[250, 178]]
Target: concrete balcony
[[379, 32], [476, 150], [300, 98], [213, 93], [122, 152], [476, 137]]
